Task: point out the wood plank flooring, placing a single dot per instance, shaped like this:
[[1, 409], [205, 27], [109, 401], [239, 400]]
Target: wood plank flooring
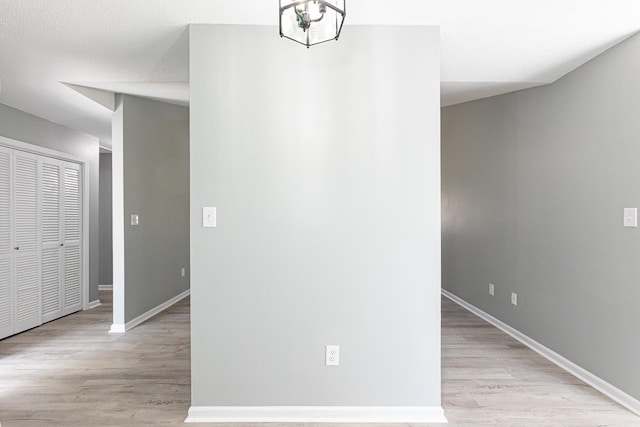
[[490, 379], [70, 372]]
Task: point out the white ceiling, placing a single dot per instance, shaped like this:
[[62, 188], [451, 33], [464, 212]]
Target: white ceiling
[[141, 46]]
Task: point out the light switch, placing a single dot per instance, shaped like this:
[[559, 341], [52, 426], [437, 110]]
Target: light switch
[[208, 217], [134, 219], [630, 217]]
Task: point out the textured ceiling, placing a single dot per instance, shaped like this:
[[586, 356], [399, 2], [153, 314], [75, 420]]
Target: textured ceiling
[[141, 46]]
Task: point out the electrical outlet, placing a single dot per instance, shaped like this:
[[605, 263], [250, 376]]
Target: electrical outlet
[[182, 272], [514, 298], [492, 289], [135, 219], [332, 355]]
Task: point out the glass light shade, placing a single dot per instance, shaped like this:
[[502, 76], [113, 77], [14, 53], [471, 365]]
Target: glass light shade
[[311, 22]]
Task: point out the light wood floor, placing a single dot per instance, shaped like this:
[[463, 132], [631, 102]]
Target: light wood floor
[[72, 373]]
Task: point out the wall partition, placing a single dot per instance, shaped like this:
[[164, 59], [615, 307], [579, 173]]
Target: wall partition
[[324, 167]]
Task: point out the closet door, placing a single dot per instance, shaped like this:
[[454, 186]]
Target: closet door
[[51, 208], [25, 240], [6, 293], [72, 232], [61, 229]]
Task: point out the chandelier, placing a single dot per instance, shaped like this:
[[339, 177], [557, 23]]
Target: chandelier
[[311, 22]]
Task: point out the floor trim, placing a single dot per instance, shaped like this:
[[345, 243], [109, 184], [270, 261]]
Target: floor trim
[[105, 287], [594, 381], [92, 304], [312, 414], [119, 328]]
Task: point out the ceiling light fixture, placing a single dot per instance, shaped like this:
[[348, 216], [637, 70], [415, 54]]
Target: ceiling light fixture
[[311, 22]]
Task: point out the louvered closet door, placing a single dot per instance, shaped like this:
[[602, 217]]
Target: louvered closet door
[[51, 237], [25, 240], [6, 297], [72, 237]]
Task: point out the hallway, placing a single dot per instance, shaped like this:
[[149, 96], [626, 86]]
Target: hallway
[[70, 372]]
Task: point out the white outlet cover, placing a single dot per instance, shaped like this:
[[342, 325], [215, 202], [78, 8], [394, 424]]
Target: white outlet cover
[[514, 298], [492, 289], [630, 217], [332, 355], [135, 219]]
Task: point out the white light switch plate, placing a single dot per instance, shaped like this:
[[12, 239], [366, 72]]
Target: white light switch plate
[[135, 219], [630, 217], [208, 217]]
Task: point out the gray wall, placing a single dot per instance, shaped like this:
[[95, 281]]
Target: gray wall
[[21, 126], [324, 166], [155, 143], [534, 185], [106, 228]]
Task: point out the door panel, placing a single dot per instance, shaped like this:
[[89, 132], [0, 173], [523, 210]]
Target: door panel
[[72, 258], [6, 297], [26, 259], [51, 207]]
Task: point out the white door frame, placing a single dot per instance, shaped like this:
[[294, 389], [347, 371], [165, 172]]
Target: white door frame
[[84, 168]]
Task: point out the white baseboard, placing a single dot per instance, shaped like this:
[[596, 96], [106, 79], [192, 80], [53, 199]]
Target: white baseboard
[[313, 414], [94, 304], [105, 287], [119, 328], [594, 381]]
